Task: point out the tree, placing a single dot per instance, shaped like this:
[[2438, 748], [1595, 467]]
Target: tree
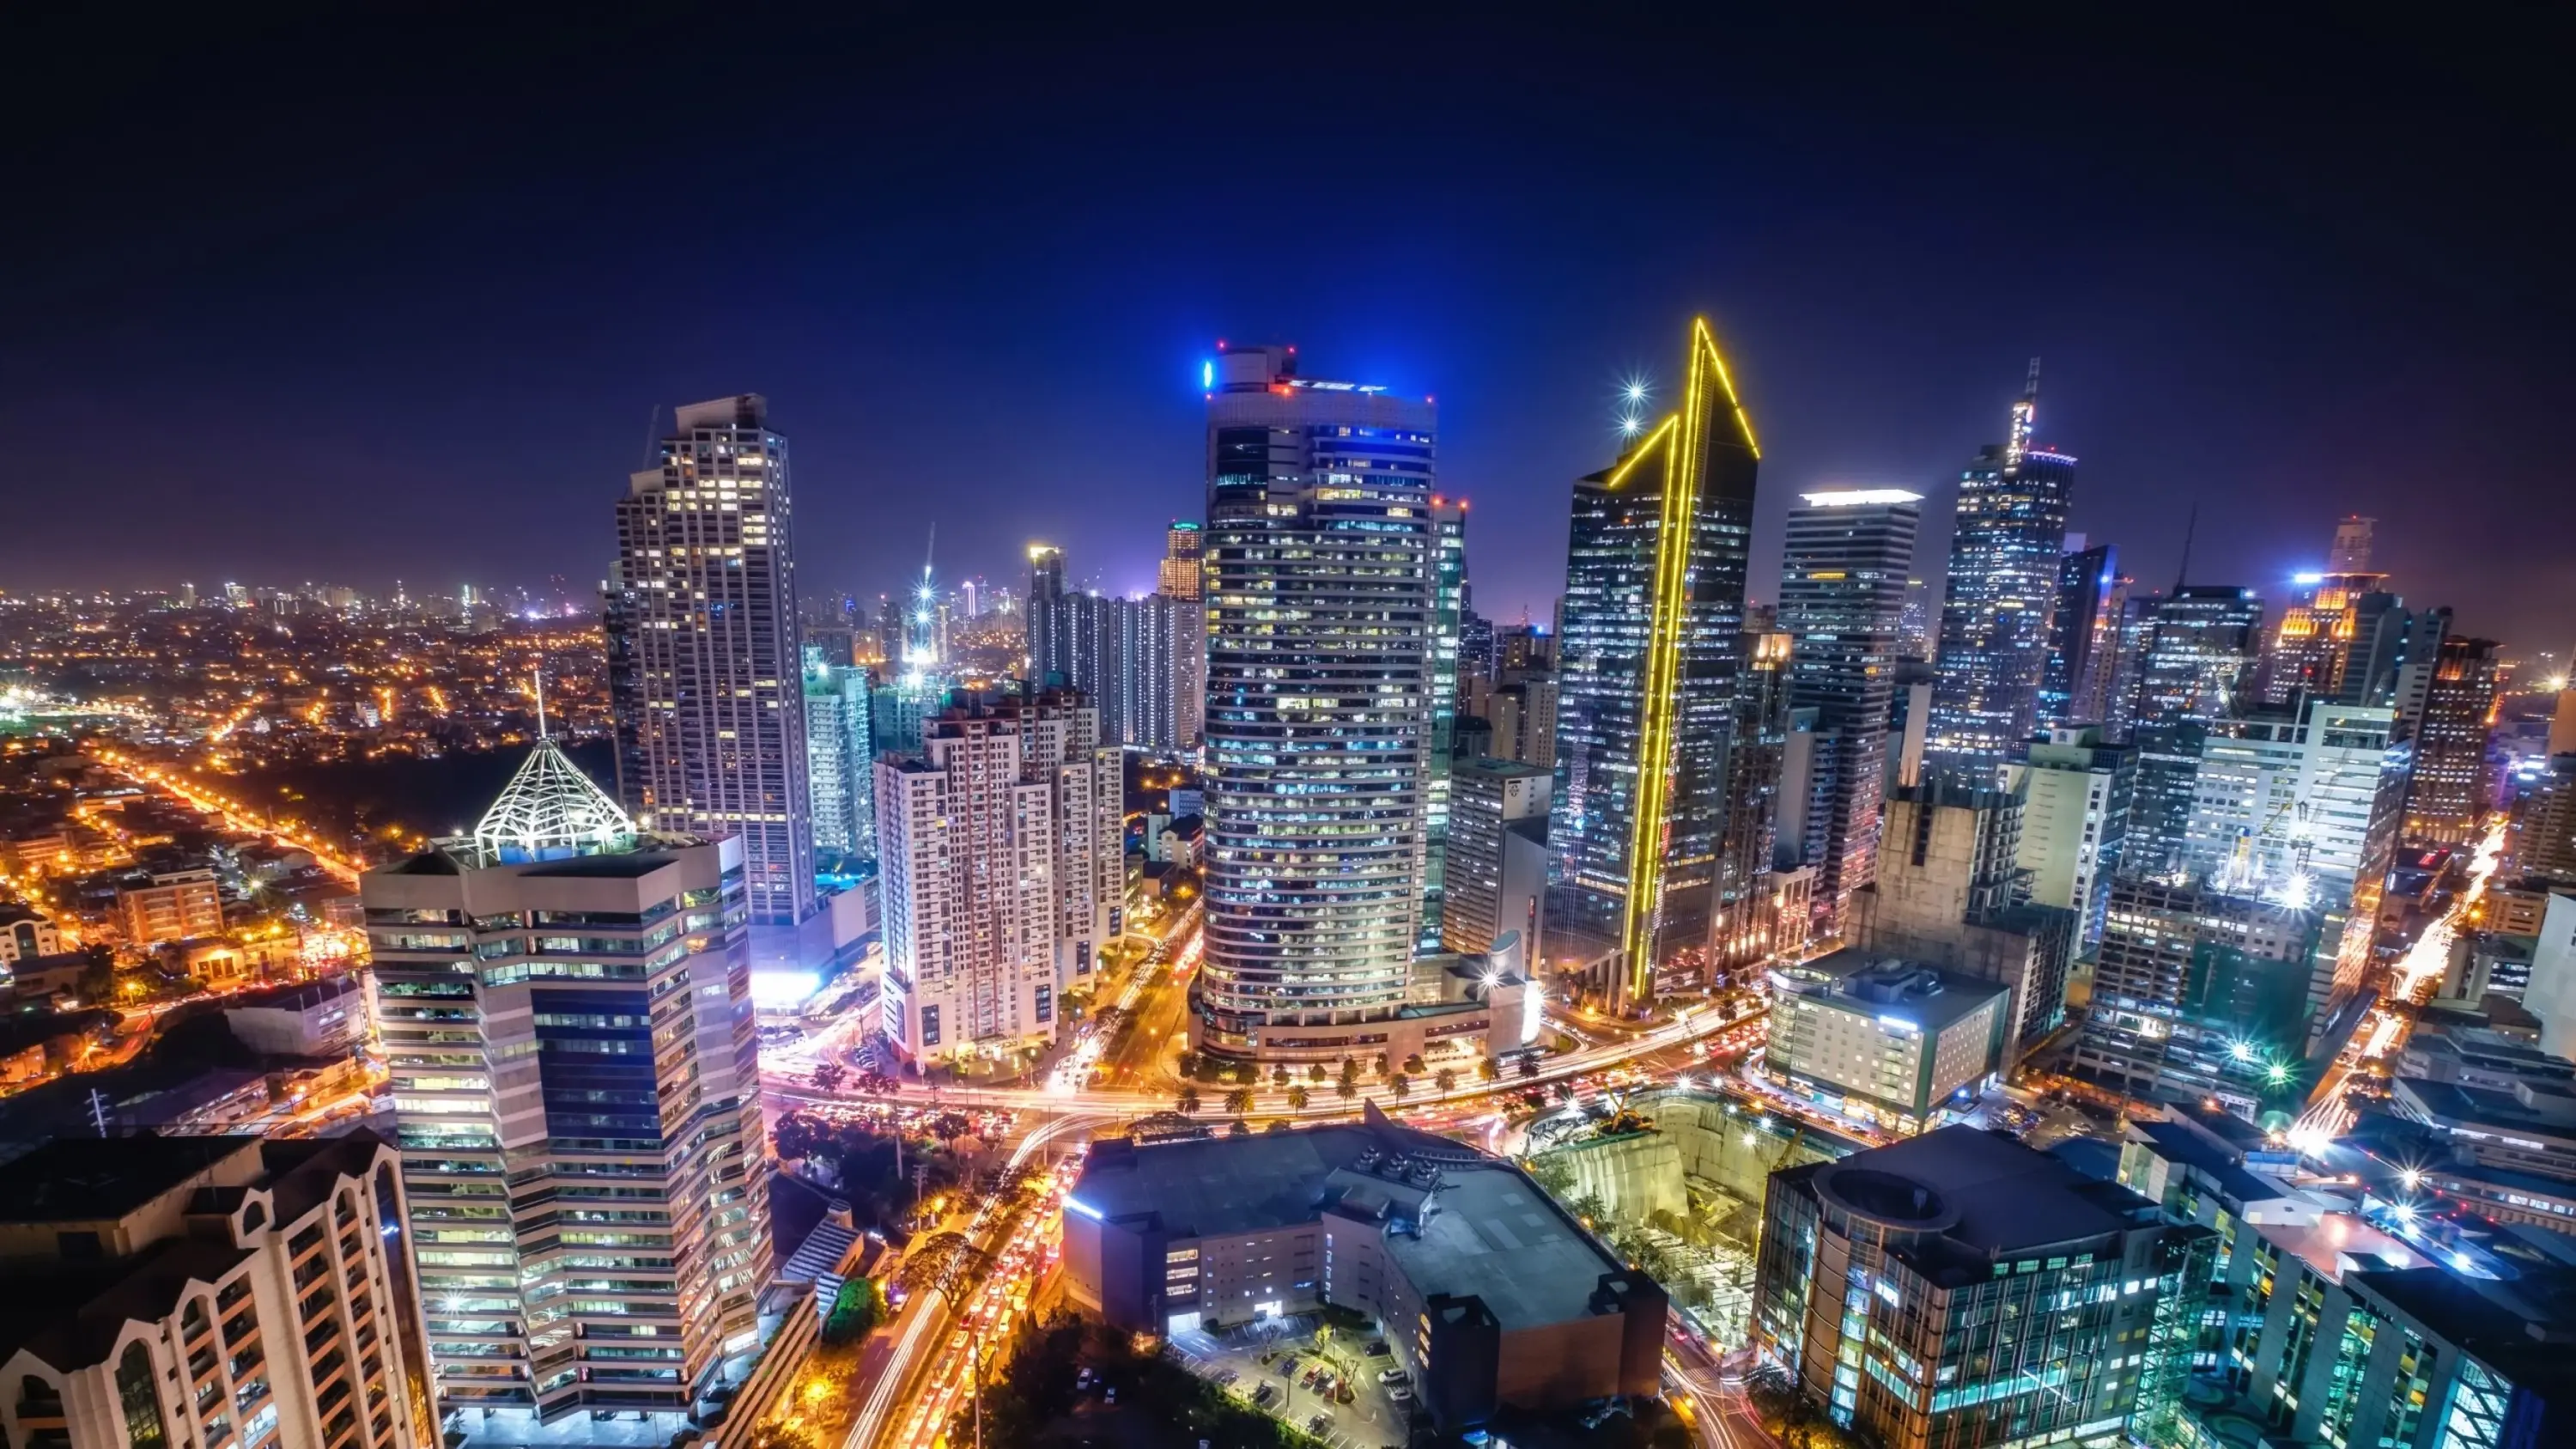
[[949, 1126], [1297, 1099], [858, 1309], [941, 1263], [874, 1083], [829, 1076], [1446, 1080], [1317, 1074], [793, 1137], [1400, 1085], [1279, 1075], [1239, 1101], [1238, 1128], [1488, 1069], [1349, 1085], [1187, 1064], [1413, 1064], [1529, 1066], [1380, 1066], [1186, 1101]]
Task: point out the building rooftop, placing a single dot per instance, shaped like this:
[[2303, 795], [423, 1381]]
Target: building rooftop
[[1985, 1195], [1920, 996], [80, 1179], [1496, 769], [1473, 1225], [2520, 1327], [2338, 1243]]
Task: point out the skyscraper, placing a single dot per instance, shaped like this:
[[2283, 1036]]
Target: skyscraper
[[2329, 626], [1744, 925], [2198, 661], [2451, 786], [2082, 636], [1448, 611], [995, 897], [1842, 598], [839, 770], [701, 615], [2075, 793], [1179, 575], [2200, 990], [2005, 549], [1320, 560], [1650, 645], [1497, 855], [544, 1080]]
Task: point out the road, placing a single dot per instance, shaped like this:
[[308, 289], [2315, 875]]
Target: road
[[239, 817], [2417, 975], [924, 1328]]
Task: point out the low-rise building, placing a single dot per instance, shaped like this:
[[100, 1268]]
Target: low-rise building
[[25, 934], [1889, 1043], [322, 1018], [1489, 1292], [209, 1291], [170, 905]]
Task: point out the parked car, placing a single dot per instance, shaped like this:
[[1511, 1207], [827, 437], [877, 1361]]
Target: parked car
[[1320, 1425], [1378, 1349], [1262, 1396]]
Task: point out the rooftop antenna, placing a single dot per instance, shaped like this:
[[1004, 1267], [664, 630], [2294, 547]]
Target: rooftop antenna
[[652, 424], [2191, 521], [541, 699]]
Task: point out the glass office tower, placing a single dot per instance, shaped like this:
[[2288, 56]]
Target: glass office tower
[[1649, 652], [2005, 550], [1319, 563]]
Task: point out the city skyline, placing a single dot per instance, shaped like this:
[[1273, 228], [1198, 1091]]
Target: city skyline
[[1869, 372]]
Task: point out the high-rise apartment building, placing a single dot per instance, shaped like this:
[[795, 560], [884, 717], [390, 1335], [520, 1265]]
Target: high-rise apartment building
[[2005, 548], [233, 1291], [1958, 1290], [2074, 822], [2083, 631], [1052, 647], [1497, 856], [1320, 561], [998, 874], [2200, 990], [174, 904], [1842, 591], [2451, 784], [1522, 714], [702, 622], [1648, 651], [840, 772], [566, 1009]]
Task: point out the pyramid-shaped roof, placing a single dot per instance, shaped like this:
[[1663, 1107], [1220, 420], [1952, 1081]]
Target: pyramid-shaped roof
[[551, 808]]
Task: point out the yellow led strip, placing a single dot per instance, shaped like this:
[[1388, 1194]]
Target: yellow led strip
[[1647, 835]]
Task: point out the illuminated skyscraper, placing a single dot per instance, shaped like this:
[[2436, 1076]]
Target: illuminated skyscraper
[[2082, 636], [1320, 564], [566, 1006], [1179, 574], [2451, 786], [1448, 611], [701, 614], [2005, 550], [839, 770], [1744, 921], [1650, 646], [1842, 596]]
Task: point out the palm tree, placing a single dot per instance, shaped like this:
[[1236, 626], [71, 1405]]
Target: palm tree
[[1279, 1076], [1399, 1084], [1186, 1101], [1297, 1099], [1446, 1080], [1349, 1085], [1487, 1069], [1239, 1101]]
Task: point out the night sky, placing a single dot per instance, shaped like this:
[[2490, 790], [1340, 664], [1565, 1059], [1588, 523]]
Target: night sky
[[318, 297]]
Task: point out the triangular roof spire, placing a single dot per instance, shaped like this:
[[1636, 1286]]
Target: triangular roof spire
[[551, 807]]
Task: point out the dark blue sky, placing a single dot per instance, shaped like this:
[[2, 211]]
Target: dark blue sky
[[315, 297]]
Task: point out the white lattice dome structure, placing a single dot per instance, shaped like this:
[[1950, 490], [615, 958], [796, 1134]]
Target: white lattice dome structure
[[551, 808]]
